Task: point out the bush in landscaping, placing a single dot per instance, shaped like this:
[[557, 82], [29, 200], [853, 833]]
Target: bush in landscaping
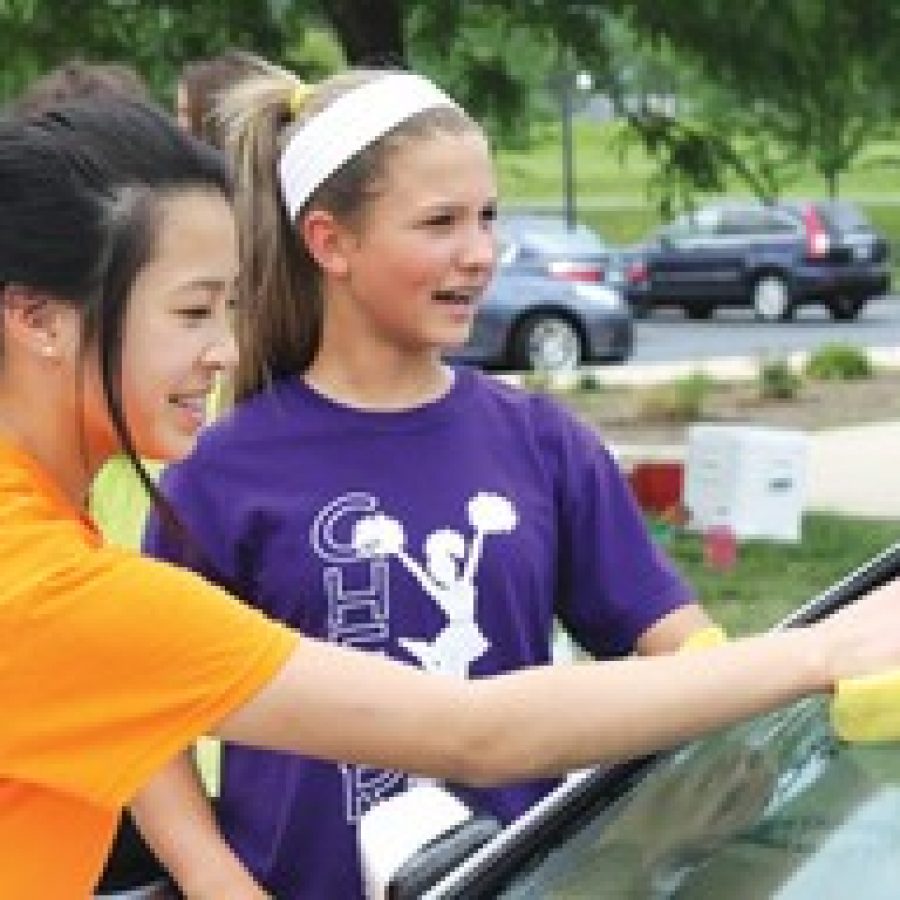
[[589, 382], [777, 380], [682, 400], [536, 380], [839, 362]]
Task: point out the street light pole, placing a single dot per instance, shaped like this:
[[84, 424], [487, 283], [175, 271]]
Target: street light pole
[[568, 150]]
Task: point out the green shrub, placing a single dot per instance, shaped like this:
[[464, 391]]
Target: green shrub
[[589, 382], [535, 380], [839, 362], [777, 380], [682, 400]]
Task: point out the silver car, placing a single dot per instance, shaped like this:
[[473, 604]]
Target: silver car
[[555, 303]]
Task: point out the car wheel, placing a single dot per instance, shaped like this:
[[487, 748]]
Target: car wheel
[[640, 308], [699, 311], [772, 299], [845, 309], [547, 343]]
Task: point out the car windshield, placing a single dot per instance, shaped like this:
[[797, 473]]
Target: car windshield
[[775, 807]]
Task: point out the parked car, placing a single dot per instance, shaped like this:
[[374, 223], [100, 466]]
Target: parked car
[[770, 257], [550, 306], [776, 807]]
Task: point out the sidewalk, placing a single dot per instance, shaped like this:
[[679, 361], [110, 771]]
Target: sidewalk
[[853, 470]]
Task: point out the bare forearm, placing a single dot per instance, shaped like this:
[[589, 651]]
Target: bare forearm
[[670, 632], [635, 706], [176, 819], [524, 724]]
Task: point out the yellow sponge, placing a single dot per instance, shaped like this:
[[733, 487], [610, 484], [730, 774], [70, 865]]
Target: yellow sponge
[[867, 708], [711, 636]]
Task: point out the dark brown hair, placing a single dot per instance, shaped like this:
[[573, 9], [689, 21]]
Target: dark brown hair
[[81, 191]]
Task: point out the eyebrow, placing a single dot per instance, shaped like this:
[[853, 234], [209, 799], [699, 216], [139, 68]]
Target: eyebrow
[[210, 284], [455, 206]]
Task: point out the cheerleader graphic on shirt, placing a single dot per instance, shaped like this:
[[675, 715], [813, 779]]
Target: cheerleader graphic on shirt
[[448, 577]]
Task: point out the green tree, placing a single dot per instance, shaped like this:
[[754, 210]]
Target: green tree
[[766, 85], [155, 37], [819, 79]]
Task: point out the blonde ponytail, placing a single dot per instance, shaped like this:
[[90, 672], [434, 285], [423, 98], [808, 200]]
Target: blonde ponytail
[[279, 310]]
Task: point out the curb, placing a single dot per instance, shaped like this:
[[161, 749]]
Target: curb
[[724, 368]]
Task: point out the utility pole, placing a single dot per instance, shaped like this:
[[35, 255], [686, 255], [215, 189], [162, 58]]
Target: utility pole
[[568, 148], [567, 83]]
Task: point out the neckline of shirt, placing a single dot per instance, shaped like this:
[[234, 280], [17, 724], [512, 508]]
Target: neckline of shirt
[[14, 455], [428, 412]]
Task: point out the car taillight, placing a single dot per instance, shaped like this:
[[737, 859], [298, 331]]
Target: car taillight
[[571, 271], [818, 242], [636, 273]]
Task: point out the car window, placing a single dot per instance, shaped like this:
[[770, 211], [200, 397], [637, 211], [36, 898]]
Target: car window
[[551, 237], [843, 217], [675, 229], [775, 808], [706, 222], [755, 221], [776, 221], [740, 222], [558, 243], [701, 223], [507, 252]]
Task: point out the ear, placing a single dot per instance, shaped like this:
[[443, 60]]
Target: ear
[[37, 322], [327, 241]]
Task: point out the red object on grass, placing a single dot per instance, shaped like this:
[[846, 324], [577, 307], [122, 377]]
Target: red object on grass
[[657, 486], [720, 548]]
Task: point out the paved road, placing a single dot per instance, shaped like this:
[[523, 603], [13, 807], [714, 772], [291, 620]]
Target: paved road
[[669, 337]]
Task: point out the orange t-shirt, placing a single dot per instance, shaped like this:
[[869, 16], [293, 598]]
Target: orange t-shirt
[[110, 663]]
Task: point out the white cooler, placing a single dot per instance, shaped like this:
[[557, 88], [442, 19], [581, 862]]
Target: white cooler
[[749, 479]]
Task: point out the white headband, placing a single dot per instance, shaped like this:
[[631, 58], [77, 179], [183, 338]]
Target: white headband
[[353, 121]]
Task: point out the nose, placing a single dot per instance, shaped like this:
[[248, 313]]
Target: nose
[[222, 350], [481, 248]]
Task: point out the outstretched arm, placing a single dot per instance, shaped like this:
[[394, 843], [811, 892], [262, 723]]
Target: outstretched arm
[[338, 704], [670, 632], [334, 703]]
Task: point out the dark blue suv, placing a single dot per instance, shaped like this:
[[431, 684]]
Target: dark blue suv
[[772, 258]]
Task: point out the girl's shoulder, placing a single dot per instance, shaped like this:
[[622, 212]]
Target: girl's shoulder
[[254, 421], [506, 394]]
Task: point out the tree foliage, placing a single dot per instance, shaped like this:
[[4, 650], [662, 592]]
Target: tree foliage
[[818, 79], [155, 37], [765, 85]]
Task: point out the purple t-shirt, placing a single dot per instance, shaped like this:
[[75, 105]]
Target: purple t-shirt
[[447, 536]]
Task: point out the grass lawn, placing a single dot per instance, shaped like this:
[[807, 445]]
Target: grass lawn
[[772, 579]]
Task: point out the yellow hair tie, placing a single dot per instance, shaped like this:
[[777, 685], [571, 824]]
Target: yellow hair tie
[[704, 638], [299, 95], [867, 708]]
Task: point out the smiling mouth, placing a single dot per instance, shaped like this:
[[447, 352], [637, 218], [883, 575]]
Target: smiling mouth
[[195, 404], [461, 299]]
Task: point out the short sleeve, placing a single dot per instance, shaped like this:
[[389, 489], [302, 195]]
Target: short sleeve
[[614, 581], [113, 663]]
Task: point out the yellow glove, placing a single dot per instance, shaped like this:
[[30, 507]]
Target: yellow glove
[[867, 708], [711, 636]]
